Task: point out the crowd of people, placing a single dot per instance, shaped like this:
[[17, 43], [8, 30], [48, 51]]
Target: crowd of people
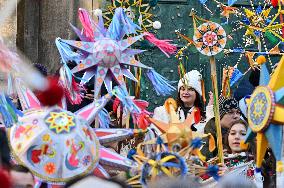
[[238, 169]]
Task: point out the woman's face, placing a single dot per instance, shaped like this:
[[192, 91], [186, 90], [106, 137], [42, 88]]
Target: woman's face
[[236, 134], [187, 95]]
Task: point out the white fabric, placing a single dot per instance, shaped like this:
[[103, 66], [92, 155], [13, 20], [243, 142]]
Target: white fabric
[[191, 79], [240, 170], [161, 114]]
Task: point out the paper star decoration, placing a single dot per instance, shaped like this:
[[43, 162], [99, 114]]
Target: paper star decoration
[[257, 21], [265, 114], [175, 132], [137, 10], [106, 53], [77, 125], [60, 122]]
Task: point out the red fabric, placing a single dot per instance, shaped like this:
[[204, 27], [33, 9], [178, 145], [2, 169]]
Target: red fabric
[[76, 91], [164, 45], [5, 180], [274, 3], [197, 115], [115, 105], [143, 120], [53, 93]]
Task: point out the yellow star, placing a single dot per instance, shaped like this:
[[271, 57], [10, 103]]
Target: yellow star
[[60, 122], [175, 132]]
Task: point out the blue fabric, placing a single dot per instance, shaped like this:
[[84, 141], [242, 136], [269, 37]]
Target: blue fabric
[[121, 25], [231, 2], [66, 52], [104, 119], [122, 94], [212, 170], [131, 153], [196, 143], [161, 85], [236, 76]]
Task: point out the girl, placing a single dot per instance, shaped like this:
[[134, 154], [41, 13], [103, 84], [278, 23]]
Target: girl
[[238, 160]]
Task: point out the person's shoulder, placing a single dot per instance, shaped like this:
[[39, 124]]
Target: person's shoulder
[[209, 125], [160, 109]]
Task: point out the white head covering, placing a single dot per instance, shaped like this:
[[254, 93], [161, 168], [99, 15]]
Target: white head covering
[[191, 79]]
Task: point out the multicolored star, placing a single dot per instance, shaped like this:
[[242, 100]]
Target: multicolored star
[[265, 114], [106, 52], [60, 122]]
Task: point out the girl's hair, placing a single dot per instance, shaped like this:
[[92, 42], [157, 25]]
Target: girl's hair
[[197, 103], [251, 148]]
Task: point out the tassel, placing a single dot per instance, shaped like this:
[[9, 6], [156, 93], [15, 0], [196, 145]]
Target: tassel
[[274, 3], [203, 91], [8, 111], [142, 119], [66, 53], [12, 108], [197, 115], [196, 143], [86, 23], [273, 40], [212, 144], [141, 104], [122, 94], [161, 84], [121, 25], [212, 170], [163, 45], [115, 105], [72, 90], [104, 119], [7, 119], [131, 153]]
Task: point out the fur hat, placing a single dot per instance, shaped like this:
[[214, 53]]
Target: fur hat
[[191, 79]]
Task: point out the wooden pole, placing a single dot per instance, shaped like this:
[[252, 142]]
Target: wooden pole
[[216, 109]]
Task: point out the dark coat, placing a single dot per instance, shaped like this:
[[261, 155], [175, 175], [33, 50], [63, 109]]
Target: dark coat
[[211, 128]]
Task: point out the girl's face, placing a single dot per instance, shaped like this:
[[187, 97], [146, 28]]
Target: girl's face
[[236, 134], [187, 95]]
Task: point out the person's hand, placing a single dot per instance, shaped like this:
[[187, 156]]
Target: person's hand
[[211, 98], [223, 169]]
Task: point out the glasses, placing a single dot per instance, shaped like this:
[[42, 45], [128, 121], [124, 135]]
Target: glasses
[[233, 112]]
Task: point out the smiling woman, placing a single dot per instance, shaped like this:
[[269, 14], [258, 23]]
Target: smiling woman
[[188, 101]]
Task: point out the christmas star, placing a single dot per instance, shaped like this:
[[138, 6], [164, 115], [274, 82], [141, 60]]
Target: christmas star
[[265, 114]]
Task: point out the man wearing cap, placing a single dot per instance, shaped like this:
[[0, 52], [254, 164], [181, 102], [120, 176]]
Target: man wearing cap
[[229, 114]]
